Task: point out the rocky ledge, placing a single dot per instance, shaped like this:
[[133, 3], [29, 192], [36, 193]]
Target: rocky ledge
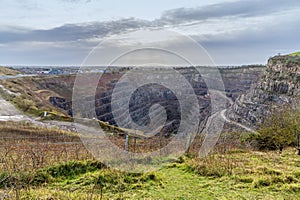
[[278, 85]]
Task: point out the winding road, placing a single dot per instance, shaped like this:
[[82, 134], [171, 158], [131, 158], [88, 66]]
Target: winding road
[[226, 119], [222, 113]]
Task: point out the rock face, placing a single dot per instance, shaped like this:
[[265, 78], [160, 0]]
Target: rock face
[[61, 103], [279, 85], [236, 81], [144, 97]]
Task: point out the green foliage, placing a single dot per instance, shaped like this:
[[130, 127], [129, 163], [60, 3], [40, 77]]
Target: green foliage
[[79, 176], [73, 168], [23, 103], [295, 54], [292, 60], [3, 179], [253, 175], [279, 130]]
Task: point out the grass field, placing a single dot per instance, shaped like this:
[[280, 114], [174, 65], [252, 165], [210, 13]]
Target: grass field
[[245, 175], [51, 168], [295, 54]]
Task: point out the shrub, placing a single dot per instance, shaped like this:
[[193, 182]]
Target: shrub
[[23, 103], [279, 130]]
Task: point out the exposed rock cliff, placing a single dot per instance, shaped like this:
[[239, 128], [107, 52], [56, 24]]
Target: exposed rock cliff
[[279, 85]]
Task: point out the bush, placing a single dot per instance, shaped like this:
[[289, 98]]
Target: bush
[[279, 130], [23, 103], [73, 168]]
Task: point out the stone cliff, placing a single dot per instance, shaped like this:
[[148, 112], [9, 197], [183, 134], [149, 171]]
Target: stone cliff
[[278, 85]]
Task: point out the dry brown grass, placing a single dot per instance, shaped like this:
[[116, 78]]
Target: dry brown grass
[[8, 71]]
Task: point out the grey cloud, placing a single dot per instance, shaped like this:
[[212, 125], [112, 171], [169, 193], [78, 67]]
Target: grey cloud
[[74, 32], [243, 46], [276, 33], [254, 46], [242, 8]]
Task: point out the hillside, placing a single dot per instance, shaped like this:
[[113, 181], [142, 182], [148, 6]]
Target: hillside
[[31, 94], [4, 71], [295, 54], [279, 85]]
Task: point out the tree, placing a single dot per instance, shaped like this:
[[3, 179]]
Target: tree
[[280, 129]]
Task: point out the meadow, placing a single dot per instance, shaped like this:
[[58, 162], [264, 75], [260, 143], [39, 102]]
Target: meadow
[[49, 163]]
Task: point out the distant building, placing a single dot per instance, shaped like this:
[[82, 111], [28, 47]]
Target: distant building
[[55, 71]]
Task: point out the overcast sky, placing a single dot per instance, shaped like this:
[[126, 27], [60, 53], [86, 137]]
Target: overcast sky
[[63, 32]]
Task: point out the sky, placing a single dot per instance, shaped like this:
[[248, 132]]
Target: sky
[[64, 32]]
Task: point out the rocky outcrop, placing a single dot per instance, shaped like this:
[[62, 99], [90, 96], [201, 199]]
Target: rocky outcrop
[[61, 103], [279, 85], [238, 80]]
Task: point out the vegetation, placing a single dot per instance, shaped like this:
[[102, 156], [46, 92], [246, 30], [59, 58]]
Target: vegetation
[[243, 175], [4, 71], [22, 129], [295, 54], [49, 163], [25, 94], [35, 164], [279, 130]]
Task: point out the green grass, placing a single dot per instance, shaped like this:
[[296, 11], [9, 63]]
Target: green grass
[[295, 54], [234, 175]]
